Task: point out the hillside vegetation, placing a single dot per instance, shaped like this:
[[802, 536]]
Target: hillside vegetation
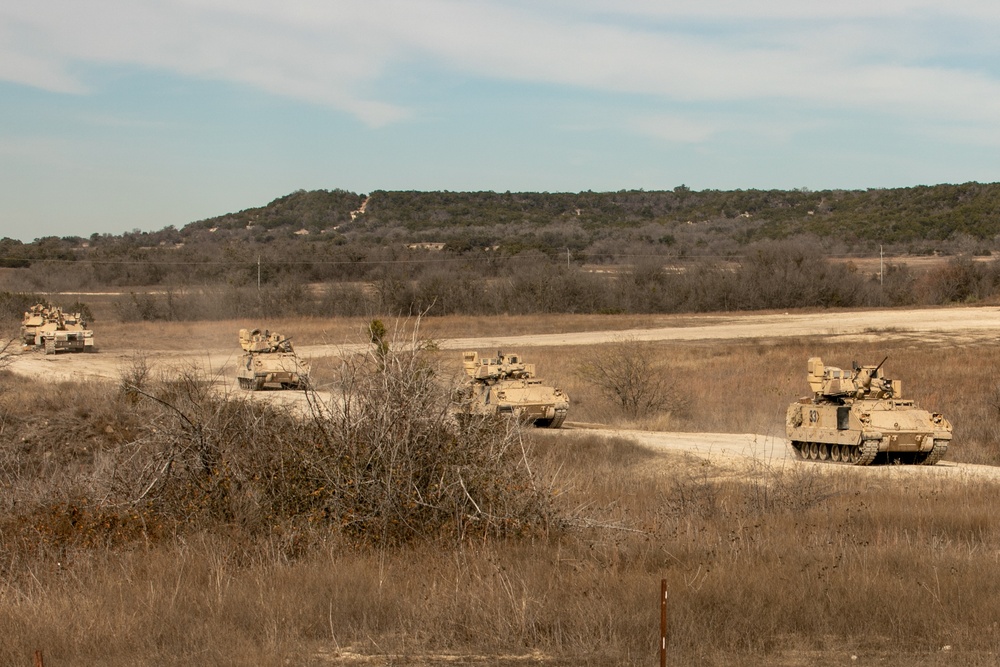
[[387, 253]]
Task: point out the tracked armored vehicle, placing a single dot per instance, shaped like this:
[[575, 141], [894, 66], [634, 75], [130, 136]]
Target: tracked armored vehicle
[[270, 362], [507, 385], [49, 328], [854, 416]]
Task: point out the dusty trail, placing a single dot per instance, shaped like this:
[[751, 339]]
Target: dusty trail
[[954, 325], [957, 324], [744, 451]]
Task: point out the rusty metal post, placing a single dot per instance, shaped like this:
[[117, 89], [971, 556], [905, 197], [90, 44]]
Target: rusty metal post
[[663, 623], [38, 659]]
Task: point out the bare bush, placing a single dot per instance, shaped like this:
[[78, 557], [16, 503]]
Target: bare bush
[[961, 280], [384, 463], [14, 304], [407, 468], [134, 376], [7, 352], [626, 374]]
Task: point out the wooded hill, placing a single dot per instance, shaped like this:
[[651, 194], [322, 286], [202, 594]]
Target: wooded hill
[[858, 217], [919, 219], [475, 252]]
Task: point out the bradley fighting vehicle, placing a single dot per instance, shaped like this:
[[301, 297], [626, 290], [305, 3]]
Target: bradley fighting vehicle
[[507, 385], [269, 361], [53, 330], [852, 416]]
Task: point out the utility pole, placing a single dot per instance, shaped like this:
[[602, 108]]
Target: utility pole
[[258, 273]]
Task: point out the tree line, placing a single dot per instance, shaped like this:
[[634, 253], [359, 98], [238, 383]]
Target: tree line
[[775, 275], [923, 219]]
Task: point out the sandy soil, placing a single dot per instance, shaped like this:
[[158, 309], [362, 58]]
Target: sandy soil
[[743, 451], [954, 324], [951, 325]]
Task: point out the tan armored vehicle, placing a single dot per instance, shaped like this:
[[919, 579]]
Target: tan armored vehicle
[[853, 416], [48, 327], [269, 361], [507, 385]]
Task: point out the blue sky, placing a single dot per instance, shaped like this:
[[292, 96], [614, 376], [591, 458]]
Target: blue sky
[[119, 115]]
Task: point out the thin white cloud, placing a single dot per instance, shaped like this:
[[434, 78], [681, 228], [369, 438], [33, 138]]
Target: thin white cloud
[[23, 62], [824, 55], [674, 128], [742, 10], [24, 68], [325, 63]]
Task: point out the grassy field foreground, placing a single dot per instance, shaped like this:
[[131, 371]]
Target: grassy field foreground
[[801, 565], [791, 567]]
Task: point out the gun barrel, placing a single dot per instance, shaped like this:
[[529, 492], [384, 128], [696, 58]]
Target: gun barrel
[[880, 364]]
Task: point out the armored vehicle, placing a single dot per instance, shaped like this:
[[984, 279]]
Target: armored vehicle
[[507, 385], [31, 322], [270, 361], [53, 330], [853, 416]]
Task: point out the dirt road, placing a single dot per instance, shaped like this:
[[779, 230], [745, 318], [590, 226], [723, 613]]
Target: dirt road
[[955, 324], [742, 451], [951, 325]]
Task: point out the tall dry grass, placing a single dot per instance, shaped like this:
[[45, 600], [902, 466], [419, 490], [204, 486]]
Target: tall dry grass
[[786, 566], [794, 565]]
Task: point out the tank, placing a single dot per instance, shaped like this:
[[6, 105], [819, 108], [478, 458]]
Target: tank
[[855, 416], [270, 362], [31, 322], [507, 385], [49, 328]]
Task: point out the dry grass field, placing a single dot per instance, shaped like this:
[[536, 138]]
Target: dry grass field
[[182, 336], [799, 565], [791, 568]]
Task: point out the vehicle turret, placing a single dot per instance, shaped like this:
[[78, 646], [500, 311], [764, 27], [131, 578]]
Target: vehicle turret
[[255, 340], [829, 383], [501, 367]]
